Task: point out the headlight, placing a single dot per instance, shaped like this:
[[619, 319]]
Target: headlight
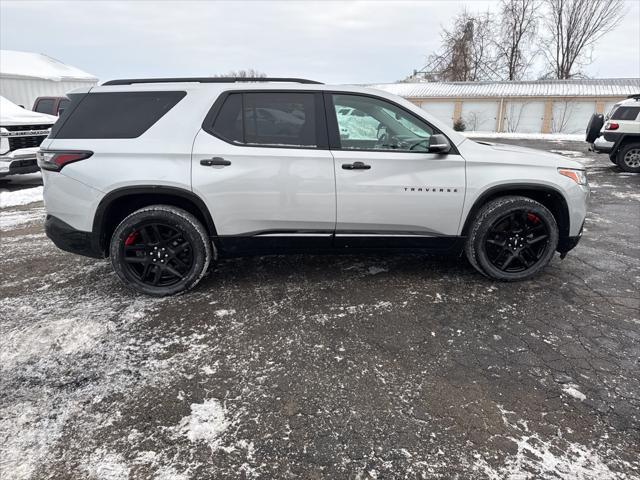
[[578, 176], [4, 141]]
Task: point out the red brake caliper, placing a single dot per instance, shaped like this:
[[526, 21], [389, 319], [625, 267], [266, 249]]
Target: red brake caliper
[[533, 218], [131, 238]]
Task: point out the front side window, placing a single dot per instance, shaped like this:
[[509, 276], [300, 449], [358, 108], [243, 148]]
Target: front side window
[[367, 123]]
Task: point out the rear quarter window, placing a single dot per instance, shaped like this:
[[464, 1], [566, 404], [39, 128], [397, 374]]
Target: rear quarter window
[[625, 113], [117, 114]]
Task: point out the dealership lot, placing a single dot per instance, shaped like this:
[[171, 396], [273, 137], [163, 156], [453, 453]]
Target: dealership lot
[[327, 367]]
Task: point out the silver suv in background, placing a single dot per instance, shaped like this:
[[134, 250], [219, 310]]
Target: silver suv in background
[[164, 176]]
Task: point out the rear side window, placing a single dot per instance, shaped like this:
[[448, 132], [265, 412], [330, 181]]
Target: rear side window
[[45, 106], [279, 119], [117, 114], [626, 113], [229, 122]]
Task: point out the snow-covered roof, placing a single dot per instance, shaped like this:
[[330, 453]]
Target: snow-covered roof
[[15, 64], [605, 87]]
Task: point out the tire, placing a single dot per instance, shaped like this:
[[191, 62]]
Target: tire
[[512, 226], [161, 250], [628, 158], [593, 127]]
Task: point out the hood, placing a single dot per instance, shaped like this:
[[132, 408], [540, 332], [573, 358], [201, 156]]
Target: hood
[[12, 114], [526, 155]]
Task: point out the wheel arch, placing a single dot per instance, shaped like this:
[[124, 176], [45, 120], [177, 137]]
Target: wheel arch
[[119, 203], [548, 196]]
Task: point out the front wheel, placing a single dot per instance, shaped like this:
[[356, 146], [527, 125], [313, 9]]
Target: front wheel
[[628, 158], [160, 250], [512, 238]]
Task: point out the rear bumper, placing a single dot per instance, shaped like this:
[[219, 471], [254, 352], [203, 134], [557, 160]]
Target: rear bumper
[[19, 161], [67, 238]]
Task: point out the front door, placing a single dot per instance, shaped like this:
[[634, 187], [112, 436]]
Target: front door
[[264, 169], [390, 190]]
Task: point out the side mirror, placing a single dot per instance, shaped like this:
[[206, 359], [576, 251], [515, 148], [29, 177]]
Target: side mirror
[[438, 143]]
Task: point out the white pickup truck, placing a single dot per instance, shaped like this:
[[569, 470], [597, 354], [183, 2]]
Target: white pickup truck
[[21, 133]]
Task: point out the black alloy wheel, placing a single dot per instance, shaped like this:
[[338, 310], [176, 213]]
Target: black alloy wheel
[[517, 241], [161, 250], [512, 238], [158, 254]]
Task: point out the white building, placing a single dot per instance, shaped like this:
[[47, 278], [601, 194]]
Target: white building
[[542, 106], [25, 76]]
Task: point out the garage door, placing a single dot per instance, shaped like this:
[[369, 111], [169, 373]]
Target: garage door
[[480, 116], [443, 111], [523, 117], [571, 116]]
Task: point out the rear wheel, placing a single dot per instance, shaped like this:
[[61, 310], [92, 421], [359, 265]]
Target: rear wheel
[[160, 250], [512, 238], [628, 158]]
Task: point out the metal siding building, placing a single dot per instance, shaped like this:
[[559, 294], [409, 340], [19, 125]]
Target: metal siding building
[[24, 76], [541, 106]]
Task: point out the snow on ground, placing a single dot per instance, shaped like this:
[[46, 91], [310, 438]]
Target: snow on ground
[[206, 422], [12, 219], [20, 197], [571, 389]]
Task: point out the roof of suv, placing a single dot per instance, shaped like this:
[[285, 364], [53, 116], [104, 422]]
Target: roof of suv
[[215, 85]]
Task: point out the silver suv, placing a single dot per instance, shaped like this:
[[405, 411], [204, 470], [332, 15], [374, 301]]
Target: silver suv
[[165, 176]]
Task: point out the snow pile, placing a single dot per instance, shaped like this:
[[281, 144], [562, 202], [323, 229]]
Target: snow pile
[[20, 197], [37, 65], [9, 220], [105, 465], [206, 423], [571, 389]]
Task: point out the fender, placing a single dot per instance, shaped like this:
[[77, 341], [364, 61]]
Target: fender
[[99, 220], [620, 139], [561, 213]]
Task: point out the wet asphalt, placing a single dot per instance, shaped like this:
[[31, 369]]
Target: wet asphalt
[[333, 367]]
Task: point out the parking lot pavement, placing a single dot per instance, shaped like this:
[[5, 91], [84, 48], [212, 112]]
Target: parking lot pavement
[[327, 367]]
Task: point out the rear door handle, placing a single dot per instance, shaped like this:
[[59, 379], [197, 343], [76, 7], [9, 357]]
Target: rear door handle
[[210, 162], [356, 166]]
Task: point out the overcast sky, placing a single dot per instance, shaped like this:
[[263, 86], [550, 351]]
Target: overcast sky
[[334, 42]]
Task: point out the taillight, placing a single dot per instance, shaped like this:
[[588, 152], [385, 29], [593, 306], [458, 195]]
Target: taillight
[[54, 161], [611, 126]]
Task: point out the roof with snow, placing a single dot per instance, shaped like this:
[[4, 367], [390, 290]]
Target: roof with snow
[[15, 64], [603, 87]]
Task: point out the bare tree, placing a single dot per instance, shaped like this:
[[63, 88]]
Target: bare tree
[[515, 43], [573, 26], [250, 73], [466, 52]]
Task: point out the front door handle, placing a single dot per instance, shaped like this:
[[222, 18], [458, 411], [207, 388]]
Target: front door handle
[[356, 166], [210, 162]]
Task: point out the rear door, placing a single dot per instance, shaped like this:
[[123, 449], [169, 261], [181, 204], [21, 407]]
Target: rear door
[[391, 192], [262, 165]]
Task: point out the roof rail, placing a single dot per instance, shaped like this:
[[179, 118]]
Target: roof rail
[[132, 81], [635, 96]]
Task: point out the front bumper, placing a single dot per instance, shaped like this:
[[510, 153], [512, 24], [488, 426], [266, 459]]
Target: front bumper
[[565, 245], [67, 238], [19, 161]]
